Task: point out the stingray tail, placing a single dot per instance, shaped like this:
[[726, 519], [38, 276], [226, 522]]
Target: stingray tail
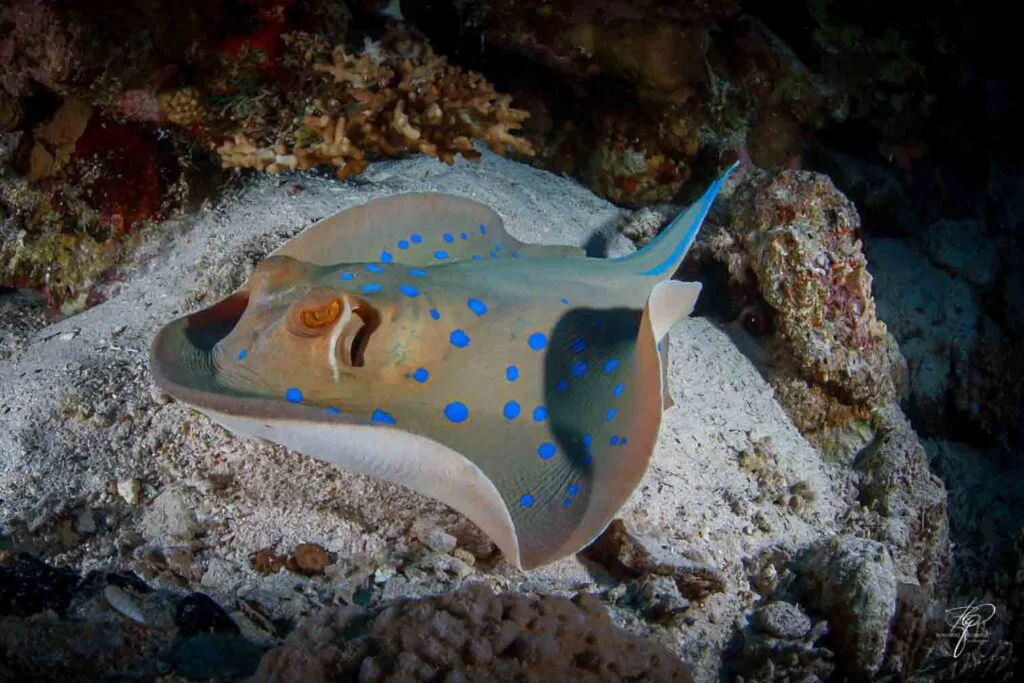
[[661, 256]]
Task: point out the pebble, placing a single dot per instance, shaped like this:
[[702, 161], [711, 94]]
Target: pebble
[[311, 559], [130, 491], [122, 603]]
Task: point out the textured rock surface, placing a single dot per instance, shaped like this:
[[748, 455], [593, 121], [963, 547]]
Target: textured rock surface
[[790, 237], [471, 635], [853, 581]]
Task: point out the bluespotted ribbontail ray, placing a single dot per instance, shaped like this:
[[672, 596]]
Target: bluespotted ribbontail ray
[[411, 338]]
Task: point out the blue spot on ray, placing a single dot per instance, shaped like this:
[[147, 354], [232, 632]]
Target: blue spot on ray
[[459, 338], [417, 272], [567, 502], [448, 237], [403, 244], [293, 395], [371, 288], [547, 450], [456, 412], [573, 489], [478, 257], [380, 416], [610, 415], [409, 291], [526, 500], [614, 440], [440, 254], [477, 306], [537, 341], [564, 301], [435, 314], [416, 239], [579, 368], [464, 235], [562, 385], [511, 410], [421, 375], [386, 257], [514, 254], [242, 354], [611, 364], [540, 413], [619, 388], [347, 276], [374, 268], [511, 373], [483, 229], [334, 410], [578, 346]]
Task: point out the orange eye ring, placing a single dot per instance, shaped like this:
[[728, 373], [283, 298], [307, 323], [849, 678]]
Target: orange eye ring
[[321, 317]]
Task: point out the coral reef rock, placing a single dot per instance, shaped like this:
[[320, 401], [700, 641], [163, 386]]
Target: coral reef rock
[[853, 581], [470, 635], [791, 236]]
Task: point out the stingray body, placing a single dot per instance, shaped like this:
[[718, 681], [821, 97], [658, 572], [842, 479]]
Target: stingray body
[[413, 339]]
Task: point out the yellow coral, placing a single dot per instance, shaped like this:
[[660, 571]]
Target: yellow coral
[[182, 106], [397, 97]]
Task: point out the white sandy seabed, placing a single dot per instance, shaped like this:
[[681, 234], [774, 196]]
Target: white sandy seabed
[[78, 413]]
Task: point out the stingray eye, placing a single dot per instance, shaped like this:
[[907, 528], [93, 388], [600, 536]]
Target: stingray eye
[[355, 336], [321, 317]]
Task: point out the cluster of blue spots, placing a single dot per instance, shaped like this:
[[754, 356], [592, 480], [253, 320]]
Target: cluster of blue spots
[[477, 306], [483, 229], [409, 291], [610, 415], [448, 237], [380, 416], [511, 373], [440, 254], [578, 346], [562, 385], [386, 257], [417, 272], [334, 410], [435, 314], [421, 375], [403, 244], [374, 268], [242, 354], [511, 410], [537, 341], [547, 450], [578, 369], [373, 287], [526, 500], [619, 388], [416, 239], [459, 338], [611, 364], [540, 413], [464, 235], [293, 395], [347, 276], [456, 412]]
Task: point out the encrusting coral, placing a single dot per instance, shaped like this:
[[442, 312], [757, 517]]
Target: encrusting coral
[[470, 635], [396, 97], [792, 234]]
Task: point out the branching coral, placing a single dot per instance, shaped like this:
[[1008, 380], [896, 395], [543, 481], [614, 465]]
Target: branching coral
[[396, 97]]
